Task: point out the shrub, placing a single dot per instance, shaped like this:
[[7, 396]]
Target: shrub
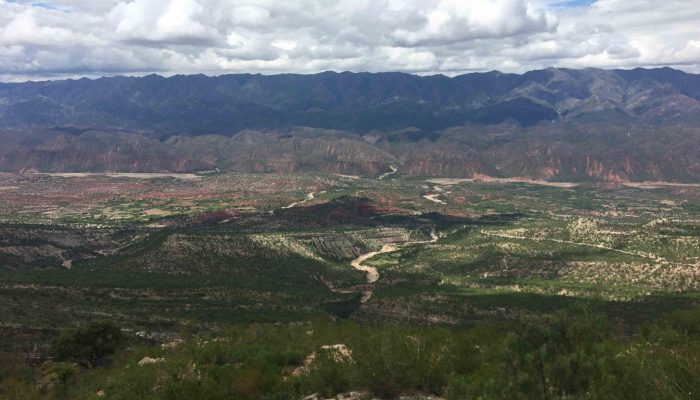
[[562, 358], [248, 383], [328, 375], [390, 361], [15, 389], [459, 388], [685, 321], [57, 377], [89, 345], [669, 359]]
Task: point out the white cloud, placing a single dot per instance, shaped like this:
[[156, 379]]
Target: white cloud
[[455, 20], [23, 28], [250, 16], [285, 44], [56, 38], [171, 21]]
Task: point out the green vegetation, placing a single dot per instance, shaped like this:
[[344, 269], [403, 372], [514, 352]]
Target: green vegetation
[[575, 354], [468, 303], [88, 345]]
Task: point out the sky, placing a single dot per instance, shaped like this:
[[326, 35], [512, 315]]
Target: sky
[[53, 39]]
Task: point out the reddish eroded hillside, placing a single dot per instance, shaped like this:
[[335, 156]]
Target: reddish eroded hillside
[[554, 124], [216, 216]]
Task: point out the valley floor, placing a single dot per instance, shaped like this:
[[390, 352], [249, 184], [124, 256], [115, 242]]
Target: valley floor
[[151, 251]]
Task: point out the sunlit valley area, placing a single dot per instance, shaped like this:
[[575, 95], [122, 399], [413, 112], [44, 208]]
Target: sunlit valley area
[[453, 261]]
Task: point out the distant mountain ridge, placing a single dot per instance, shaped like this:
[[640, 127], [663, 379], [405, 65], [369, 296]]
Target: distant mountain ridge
[[558, 124]]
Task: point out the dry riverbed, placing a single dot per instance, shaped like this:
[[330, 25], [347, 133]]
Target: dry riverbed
[[372, 272]]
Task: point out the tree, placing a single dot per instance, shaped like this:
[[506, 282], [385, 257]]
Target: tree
[[89, 345]]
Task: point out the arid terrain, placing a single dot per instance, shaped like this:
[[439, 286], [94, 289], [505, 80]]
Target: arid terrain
[[351, 236], [154, 249], [285, 254], [350, 200]]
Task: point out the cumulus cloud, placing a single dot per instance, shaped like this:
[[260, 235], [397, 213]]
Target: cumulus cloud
[[161, 22], [61, 38], [455, 21], [24, 28]]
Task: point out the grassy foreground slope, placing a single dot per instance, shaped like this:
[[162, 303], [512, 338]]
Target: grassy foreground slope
[[575, 354]]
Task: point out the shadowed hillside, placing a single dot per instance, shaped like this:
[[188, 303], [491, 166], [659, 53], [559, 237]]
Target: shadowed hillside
[[554, 124]]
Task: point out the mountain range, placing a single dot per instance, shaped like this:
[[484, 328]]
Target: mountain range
[[553, 124]]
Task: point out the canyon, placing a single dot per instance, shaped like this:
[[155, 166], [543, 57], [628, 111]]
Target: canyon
[[556, 125]]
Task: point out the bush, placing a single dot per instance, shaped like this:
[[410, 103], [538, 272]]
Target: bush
[[563, 358], [13, 388], [459, 388], [390, 361], [685, 321], [89, 345], [669, 360], [328, 374], [570, 356], [57, 377]]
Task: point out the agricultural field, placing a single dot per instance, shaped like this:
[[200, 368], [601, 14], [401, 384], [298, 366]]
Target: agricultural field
[[153, 252]]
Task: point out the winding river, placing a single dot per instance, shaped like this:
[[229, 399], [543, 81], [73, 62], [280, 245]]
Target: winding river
[[372, 272], [392, 172]]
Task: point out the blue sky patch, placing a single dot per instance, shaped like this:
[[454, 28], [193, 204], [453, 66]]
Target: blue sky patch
[[573, 3], [42, 4]]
